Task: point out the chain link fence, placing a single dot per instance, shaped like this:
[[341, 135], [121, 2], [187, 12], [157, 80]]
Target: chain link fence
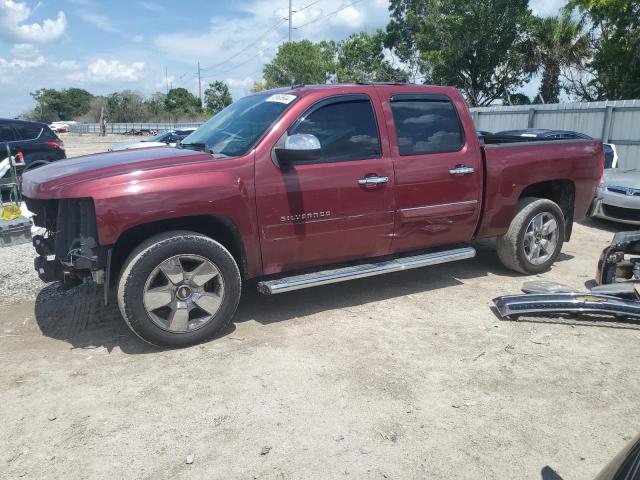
[[94, 128]]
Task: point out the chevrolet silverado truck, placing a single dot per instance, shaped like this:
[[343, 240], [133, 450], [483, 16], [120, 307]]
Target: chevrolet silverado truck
[[300, 187]]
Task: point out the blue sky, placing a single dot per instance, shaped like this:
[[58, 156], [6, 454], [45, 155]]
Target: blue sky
[[104, 46]]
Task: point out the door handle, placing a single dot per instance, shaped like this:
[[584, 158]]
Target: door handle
[[461, 170], [372, 181]]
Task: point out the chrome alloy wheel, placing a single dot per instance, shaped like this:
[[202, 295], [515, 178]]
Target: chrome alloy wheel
[[183, 293], [541, 238]]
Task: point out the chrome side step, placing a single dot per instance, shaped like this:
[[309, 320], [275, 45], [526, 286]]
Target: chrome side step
[[297, 282]]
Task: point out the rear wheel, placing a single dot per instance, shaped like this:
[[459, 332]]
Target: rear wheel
[[178, 289], [535, 237]]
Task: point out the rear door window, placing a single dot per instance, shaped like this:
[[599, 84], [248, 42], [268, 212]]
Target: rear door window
[[28, 132], [426, 124], [6, 133], [347, 130]]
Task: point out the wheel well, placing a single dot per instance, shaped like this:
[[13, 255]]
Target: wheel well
[[220, 229], [561, 192]]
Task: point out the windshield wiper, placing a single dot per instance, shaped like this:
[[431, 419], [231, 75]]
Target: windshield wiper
[[201, 147]]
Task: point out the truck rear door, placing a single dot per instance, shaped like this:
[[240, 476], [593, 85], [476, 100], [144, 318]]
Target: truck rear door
[[437, 164]]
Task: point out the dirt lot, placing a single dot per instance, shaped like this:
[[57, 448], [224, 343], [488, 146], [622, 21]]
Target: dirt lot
[[406, 376]]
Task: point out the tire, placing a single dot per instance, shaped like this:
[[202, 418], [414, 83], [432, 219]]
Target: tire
[[515, 251], [144, 285]]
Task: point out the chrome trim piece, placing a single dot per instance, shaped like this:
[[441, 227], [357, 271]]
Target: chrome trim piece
[[514, 305], [373, 180], [452, 204], [461, 170], [297, 282]]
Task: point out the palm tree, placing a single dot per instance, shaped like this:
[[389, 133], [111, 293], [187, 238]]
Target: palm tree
[[558, 42]]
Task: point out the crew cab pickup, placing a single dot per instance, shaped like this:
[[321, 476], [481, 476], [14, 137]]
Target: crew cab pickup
[[299, 187]]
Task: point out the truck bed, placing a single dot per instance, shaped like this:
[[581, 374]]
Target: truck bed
[[510, 163]]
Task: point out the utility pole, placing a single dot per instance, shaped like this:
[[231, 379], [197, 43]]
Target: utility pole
[[166, 78], [290, 13], [199, 85]]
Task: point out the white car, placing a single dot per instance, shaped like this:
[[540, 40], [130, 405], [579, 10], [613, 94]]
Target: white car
[[163, 139]]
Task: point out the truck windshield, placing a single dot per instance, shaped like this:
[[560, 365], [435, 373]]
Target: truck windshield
[[236, 129]]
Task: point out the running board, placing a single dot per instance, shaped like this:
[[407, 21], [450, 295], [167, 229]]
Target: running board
[[325, 277]]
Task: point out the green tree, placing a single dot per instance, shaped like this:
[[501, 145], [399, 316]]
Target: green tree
[[258, 87], [217, 97], [180, 101], [75, 102], [303, 62], [125, 106], [53, 105], [155, 106], [557, 43], [361, 58], [475, 45], [616, 60]]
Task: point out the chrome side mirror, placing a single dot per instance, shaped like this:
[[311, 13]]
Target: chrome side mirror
[[300, 147]]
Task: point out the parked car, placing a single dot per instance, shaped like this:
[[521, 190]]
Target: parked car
[[302, 187], [59, 127], [37, 143], [618, 197], [610, 153], [162, 139]]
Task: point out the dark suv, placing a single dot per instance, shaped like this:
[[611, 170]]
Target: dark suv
[[36, 141]]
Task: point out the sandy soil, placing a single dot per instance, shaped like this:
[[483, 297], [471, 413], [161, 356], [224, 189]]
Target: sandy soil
[[406, 376]]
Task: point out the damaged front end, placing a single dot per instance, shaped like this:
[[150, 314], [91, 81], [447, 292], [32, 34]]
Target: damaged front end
[[68, 251], [620, 261]]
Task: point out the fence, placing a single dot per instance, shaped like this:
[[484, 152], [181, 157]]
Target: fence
[[616, 122], [127, 127]]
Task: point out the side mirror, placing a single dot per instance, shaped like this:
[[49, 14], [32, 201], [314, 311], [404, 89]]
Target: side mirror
[[300, 147]]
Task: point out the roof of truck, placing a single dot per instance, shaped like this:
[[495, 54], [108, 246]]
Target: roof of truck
[[302, 89]]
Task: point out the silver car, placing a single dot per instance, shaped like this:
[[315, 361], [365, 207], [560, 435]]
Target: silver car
[[618, 197]]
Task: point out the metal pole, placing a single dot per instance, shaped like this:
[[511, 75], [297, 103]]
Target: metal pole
[[199, 85], [606, 124], [290, 13]]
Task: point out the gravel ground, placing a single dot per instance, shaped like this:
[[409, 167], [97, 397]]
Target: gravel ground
[[407, 375]]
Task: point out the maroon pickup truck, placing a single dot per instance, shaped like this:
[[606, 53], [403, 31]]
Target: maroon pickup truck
[[300, 187]]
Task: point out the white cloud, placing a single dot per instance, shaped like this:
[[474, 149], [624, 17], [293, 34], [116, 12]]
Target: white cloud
[[67, 65], [25, 50], [103, 70], [101, 21], [12, 70], [138, 38], [546, 8], [152, 7], [13, 28], [350, 17]]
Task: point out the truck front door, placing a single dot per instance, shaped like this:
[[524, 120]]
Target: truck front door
[[336, 208], [438, 173]]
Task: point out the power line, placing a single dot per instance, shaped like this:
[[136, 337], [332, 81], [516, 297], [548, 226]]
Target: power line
[[307, 6], [240, 64], [260, 38], [328, 14]]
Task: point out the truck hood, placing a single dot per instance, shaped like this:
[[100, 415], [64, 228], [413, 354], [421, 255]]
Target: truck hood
[[622, 178], [135, 144], [37, 183]]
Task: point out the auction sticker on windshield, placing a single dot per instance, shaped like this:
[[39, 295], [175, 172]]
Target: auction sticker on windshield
[[281, 98]]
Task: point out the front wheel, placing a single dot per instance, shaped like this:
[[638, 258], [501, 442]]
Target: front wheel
[[178, 289], [535, 237]]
